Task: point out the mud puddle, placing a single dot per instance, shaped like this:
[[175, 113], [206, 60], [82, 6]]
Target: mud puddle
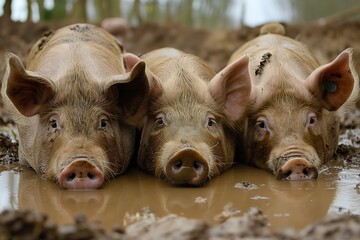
[[137, 195]]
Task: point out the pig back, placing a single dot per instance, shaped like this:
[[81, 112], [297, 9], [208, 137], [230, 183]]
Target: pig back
[[167, 63], [282, 48], [77, 46]]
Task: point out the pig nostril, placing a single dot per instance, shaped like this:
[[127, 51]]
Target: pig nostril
[[197, 166], [91, 176], [177, 166], [306, 171], [287, 174], [71, 176]]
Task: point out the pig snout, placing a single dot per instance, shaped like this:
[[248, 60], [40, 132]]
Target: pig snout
[[187, 167], [297, 169], [81, 174]]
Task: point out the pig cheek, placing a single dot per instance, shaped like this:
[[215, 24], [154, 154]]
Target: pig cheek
[[221, 151], [150, 153], [258, 149], [219, 161], [115, 145], [315, 138], [45, 154]]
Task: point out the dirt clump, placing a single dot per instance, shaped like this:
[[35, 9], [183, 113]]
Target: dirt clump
[[15, 224], [8, 150]]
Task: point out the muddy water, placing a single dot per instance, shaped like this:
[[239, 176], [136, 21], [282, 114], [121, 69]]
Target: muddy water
[[138, 195]]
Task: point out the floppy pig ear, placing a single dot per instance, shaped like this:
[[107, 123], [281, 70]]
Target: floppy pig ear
[[333, 82], [232, 87], [26, 90], [131, 90]]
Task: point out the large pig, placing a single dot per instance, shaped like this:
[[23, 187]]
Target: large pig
[[73, 104], [187, 137], [292, 125]]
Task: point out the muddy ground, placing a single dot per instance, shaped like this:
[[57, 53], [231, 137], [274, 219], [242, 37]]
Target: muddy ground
[[215, 47]]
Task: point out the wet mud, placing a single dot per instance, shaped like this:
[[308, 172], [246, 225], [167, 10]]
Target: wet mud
[[243, 202]]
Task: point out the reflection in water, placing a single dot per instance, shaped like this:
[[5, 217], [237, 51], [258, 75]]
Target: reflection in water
[[287, 204]]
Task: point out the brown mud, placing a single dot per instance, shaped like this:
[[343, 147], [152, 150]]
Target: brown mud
[[243, 202]]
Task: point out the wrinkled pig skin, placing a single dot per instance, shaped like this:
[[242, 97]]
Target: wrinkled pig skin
[[74, 105], [292, 124], [188, 136]]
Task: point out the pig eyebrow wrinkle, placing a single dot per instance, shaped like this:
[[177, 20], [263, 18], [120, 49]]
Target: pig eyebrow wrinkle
[[281, 98]]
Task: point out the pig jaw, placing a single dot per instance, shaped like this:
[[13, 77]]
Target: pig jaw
[[297, 168], [298, 162]]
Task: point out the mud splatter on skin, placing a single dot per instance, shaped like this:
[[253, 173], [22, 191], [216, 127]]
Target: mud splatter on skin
[[80, 28], [43, 40], [264, 60]]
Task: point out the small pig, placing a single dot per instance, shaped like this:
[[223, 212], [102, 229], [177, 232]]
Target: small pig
[[73, 105], [188, 136], [292, 125]]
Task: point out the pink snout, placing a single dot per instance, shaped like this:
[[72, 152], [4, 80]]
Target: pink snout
[[297, 169], [187, 167], [81, 174]]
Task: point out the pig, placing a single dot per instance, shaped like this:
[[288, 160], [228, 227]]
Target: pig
[[75, 105], [188, 132], [292, 120], [116, 26]]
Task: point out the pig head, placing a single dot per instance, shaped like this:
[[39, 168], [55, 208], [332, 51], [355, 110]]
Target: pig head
[[292, 125], [74, 105], [188, 134]]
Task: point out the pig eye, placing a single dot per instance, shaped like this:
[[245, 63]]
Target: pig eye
[[104, 122], [160, 120], [312, 120], [211, 122], [261, 124], [53, 124]]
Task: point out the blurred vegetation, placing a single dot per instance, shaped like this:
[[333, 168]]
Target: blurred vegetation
[[192, 13]]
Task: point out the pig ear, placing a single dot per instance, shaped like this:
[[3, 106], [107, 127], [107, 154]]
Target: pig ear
[[333, 82], [130, 60], [131, 91], [155, 85], [26, 90], [232, 87]]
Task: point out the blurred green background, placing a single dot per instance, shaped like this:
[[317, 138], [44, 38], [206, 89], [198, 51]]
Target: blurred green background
[[208, 14]]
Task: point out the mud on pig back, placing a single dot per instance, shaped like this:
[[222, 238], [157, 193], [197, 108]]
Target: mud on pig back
[[187, 137], [292, 125], [74, 104]]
